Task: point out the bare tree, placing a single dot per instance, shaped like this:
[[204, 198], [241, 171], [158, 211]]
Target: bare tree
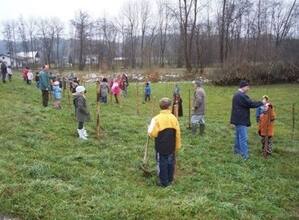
[[47, 34], [130, 13], [81, 23]]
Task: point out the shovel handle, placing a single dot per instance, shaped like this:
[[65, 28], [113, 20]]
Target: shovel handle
[[146, 151]]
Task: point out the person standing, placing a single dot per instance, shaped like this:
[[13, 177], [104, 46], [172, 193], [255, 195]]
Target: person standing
[[44, 84], [103, 91], [198, 108], [82, 113], [240, 118], [147, 92], [3, 71], [165, 128], [177, 107]]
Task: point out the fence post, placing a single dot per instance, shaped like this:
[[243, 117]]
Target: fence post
[[293, 119], [97, 109], [137, 98]]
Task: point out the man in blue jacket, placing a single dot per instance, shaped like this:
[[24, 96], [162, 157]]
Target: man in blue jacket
[[44, 84], [240, 117]]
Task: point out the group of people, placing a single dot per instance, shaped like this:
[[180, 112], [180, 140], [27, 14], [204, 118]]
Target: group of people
[[240, 118], [116, 87], [166, 130], [6, 71], [164, 127]]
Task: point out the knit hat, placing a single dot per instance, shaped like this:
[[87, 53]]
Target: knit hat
[[80, 89], [243, 83], [165, 103]]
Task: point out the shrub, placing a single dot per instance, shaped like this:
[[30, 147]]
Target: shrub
[[256, 73]]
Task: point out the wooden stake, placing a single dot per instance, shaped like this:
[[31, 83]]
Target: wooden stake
[[68, 96], [137, 98], [189, 98], [293, 119], [98, 109], [98, 120]]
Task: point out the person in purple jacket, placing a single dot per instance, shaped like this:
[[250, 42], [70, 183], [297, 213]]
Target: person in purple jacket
[[240, 118]]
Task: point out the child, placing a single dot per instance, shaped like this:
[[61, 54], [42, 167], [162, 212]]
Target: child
[[177, 107], [29, 77], [147, 92], [103, 90], [57, 95], [260, 110], [37, 79], [9, 72], [266, 127], [115, 89], [82, 113], [165, 128]]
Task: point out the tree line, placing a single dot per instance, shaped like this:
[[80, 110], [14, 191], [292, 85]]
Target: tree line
[[181, 33]]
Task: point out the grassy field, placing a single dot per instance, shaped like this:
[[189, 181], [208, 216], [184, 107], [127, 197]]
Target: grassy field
[[46, 172]]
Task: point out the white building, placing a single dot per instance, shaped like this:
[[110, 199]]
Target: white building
[[10, 61], [30, 57]]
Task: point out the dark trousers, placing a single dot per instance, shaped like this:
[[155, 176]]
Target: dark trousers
[[4, 77], [80, 125], [147, 98], [165, 168], [45, 97]]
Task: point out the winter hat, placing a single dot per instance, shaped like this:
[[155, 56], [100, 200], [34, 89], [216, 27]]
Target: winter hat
[[165, 103], [80, 89], [243, 83]]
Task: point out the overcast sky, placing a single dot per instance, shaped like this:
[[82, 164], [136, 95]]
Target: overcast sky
[[64, 9]]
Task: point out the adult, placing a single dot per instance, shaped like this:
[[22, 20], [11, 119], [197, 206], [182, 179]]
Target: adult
[[198, 108], [240, 118], [165, 129], [44, 84], [3, 71]]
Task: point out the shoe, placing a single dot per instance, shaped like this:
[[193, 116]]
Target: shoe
[[85, 132], [81, 134]]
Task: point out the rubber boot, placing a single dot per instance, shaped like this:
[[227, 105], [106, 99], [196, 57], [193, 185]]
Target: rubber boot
[[85, 132], [202, 129], [81, 134]]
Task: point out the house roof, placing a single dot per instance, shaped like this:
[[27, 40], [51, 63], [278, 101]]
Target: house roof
[[30, 54]]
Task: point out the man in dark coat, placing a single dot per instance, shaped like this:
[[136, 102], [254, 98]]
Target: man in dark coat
[[44, 84], [240, 117], [3, 71]]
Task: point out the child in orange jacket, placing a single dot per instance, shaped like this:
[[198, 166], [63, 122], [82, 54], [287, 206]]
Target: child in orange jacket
[[266, 127]]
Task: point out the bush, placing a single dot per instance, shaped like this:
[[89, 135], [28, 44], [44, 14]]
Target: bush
[[256, 73]]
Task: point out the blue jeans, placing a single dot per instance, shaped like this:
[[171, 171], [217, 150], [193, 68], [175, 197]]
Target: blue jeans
[[165, 168], [241, 138]]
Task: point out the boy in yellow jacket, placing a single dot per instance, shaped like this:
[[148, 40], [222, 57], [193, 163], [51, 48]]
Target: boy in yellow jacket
[[165, 128]]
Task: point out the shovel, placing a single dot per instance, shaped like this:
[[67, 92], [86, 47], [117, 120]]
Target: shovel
[[144, 166]]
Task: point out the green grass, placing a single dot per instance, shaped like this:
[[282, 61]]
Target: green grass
[[46, 172]]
